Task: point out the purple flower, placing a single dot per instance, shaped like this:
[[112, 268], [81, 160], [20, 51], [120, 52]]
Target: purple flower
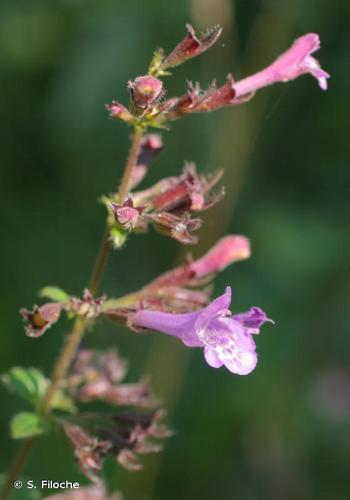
[[293, 63], [226, 339]]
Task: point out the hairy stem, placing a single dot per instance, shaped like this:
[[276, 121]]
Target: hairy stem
[[74, 338]]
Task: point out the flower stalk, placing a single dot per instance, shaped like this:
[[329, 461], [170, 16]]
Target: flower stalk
[[74, 338], [177, 303]]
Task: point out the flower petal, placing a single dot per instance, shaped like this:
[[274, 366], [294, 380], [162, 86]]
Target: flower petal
[[235, 360], [212, 357], [252, 320], [218, 307], [293, 63]]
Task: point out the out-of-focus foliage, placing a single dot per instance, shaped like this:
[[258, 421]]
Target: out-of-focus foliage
[[282, 432]]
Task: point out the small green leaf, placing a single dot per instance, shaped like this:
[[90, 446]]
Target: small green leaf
[[31, 384], [54, 293], [118, 236], [28, 383], [27, 424], [63, 402]]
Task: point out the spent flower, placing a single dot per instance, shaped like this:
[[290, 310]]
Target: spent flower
[[40, 319], [191, 46], [97, 376], [124, 436]]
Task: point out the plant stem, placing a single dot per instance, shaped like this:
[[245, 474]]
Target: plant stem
[[131, 162], [100, 263], [72, 343], [17, 465], [63, 362]]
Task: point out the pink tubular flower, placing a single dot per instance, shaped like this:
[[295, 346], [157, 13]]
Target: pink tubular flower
[[296, 61], [227, 250], [227, 340]]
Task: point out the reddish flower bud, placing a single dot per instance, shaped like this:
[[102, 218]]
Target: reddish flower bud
[[227, 250], [118, 112], [145, 90], [191, 46], [41, 318]]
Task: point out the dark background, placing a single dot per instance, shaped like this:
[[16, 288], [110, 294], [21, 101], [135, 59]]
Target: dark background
[[283, 431]]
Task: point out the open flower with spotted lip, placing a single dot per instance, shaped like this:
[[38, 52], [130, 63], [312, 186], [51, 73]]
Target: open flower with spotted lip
[[226, 339]]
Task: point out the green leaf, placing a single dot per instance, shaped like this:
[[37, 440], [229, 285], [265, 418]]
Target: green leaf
[[63, 402], [31, 384], [28, 383], [27, 424], [54, 293]]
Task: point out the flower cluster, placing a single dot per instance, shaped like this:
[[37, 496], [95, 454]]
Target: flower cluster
[[98, 376], [122, 435], [40, 319], [169, 205], [177, 303], [147, 91]]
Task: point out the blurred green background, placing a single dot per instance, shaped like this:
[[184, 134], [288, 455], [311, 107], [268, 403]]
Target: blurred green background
[[283, 431]]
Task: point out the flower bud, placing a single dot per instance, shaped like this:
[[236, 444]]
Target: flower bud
[[118, 112], [227, 250], [145, 90]]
